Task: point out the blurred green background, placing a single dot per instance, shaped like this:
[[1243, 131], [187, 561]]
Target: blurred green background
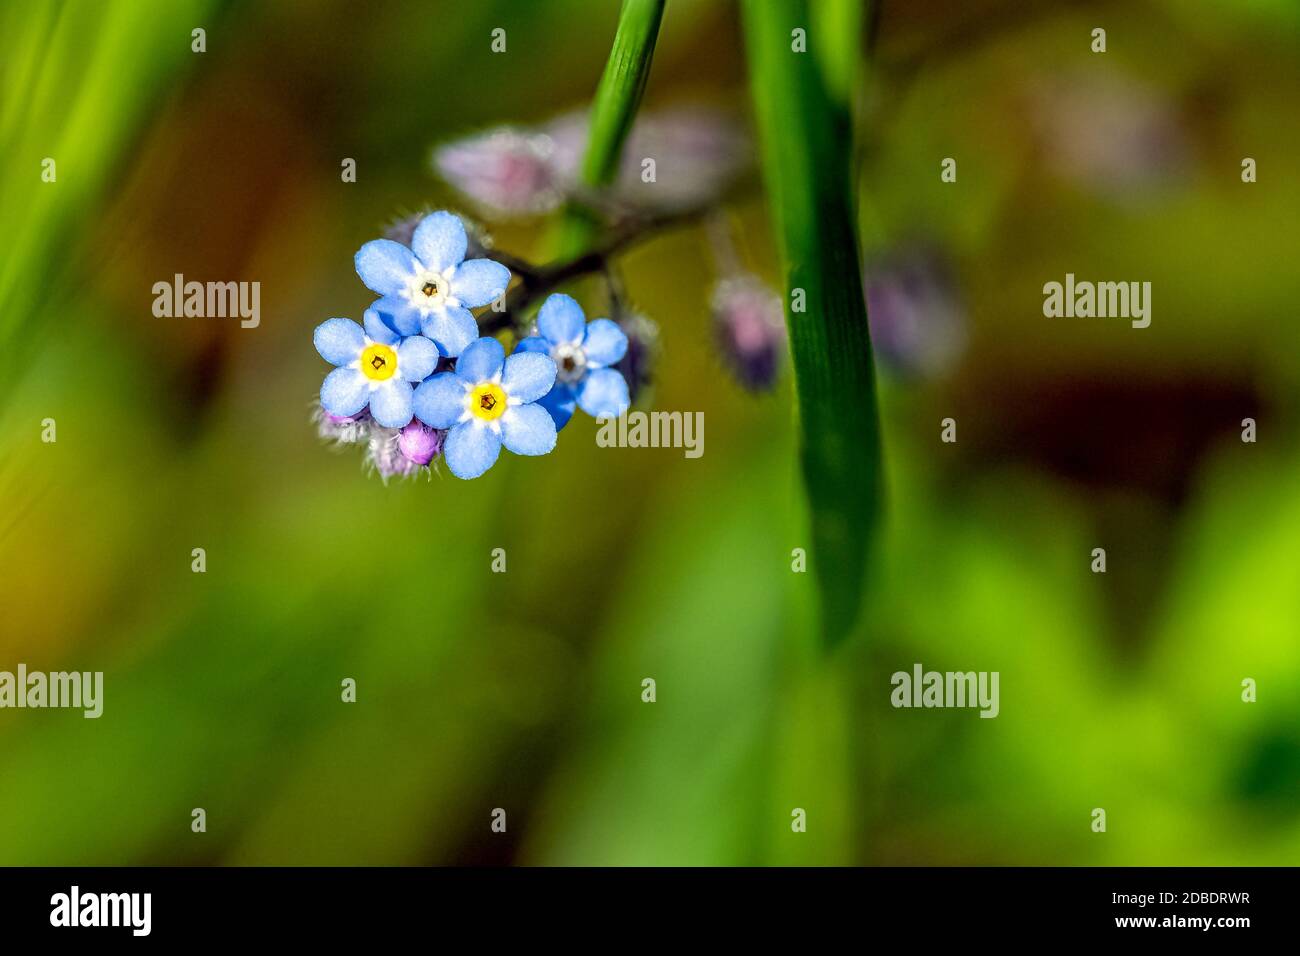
[[523, 690]]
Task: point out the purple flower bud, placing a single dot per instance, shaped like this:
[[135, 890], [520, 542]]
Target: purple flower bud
[[749, 324], [506, 172], [419, 443], [343, 430], [918, 324], [638, 362]]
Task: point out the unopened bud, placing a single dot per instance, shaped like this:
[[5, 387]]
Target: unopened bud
[[918, 325], [419, 443], [750, 329], [505, 172], [343, 430]]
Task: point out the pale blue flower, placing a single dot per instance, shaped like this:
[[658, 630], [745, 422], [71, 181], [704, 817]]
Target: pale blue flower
[[583, 353], [429, 288], [487, 402], [376, 367]]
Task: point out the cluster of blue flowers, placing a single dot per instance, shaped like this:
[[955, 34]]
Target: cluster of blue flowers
[[418, 367]]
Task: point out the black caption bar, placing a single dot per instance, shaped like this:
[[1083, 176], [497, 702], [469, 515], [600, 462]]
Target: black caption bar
[[177, 905]]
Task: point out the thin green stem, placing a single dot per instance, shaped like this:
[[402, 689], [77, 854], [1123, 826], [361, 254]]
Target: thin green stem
[[614, 110]]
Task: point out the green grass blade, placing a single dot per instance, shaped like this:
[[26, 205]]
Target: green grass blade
[[805, 133]]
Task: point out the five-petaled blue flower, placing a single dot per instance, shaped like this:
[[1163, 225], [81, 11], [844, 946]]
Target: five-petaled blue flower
[[375, 367], [487, 402], [583, 353], [430, 288]]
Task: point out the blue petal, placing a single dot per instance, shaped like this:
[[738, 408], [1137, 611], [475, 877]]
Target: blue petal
[[481, 360], [344, 392], [603, 394], [528, 430], [440, 402], [528, 376], [384, 266], [561, 320], [534, 343], [453, 329], [398, 313], [560, 402], [390, 403], [605, 343], [439, 241], [339, 341], [417, 357], [471, 449], [379, 329], [479, 281]]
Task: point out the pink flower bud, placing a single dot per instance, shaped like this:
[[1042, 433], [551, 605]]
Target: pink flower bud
[[419, 443], [750, 329], [506, 172]]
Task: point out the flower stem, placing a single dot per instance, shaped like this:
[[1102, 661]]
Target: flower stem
[[805, 131], [613, 111], [536, 281]]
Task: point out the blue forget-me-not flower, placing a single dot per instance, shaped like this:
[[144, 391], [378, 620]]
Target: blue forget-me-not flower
[[429, 288], [376, 367], [487, 402], [583, 353]]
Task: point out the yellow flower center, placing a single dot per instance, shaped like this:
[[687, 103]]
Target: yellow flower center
[[378, 362], [487, 401]]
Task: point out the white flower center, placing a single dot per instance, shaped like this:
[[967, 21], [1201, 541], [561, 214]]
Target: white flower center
[[428, 290], [570, 363]]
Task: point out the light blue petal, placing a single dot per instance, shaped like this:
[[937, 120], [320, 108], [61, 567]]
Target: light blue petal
[[339, 341], [605, 343], [384, 265], [560, 320], [439, 241], [417, 357], [479, 281], [398, 313], [560, 402], [603, 394], [534, 343], [471, 449], [452, 329], [481, 360], [344, 392], [528, 376], [390, 403], [440, 401], [379, 329], [528, 430]]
